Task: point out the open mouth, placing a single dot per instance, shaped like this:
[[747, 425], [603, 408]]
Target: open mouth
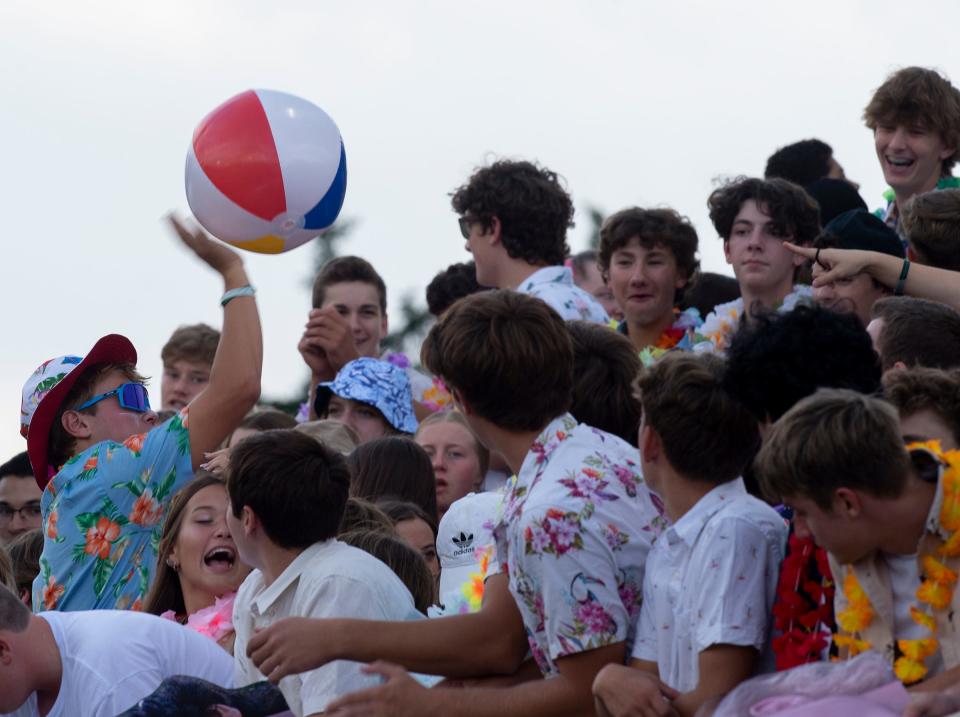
[[220, 559], [899, 162]]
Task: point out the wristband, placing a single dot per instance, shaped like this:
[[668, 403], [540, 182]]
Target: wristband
[[901, 282], [234, 293]]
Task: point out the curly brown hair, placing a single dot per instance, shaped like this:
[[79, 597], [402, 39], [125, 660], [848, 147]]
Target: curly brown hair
[[533, 208], [918, 95], [651, 227], [793, 212]]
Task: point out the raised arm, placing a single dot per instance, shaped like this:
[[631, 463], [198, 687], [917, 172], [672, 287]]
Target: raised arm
[[925, 282], [234, 385]]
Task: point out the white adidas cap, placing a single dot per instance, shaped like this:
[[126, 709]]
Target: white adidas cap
[[465, 544]]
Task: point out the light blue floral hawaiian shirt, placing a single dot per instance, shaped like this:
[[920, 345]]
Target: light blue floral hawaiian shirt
[[577, 525], [554, 285], [102, 517]]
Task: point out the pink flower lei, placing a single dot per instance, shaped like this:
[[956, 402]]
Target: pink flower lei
[[214, 621]]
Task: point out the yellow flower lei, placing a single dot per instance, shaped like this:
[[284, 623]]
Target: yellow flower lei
[[936, 590]]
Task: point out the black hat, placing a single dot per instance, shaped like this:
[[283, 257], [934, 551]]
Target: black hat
[[859, 229]]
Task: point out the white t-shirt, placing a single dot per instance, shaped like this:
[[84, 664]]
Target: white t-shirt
[[711, 580], [114, 658], [328, 579]]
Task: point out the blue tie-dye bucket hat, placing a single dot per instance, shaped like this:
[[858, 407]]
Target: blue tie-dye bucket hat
[[376, 383]]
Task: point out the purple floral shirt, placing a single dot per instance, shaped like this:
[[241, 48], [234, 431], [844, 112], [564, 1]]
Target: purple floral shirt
[[577, 525]]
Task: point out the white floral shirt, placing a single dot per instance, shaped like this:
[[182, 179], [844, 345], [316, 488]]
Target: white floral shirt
[[711, 580], [554, 285], [577, 525], [721, 324]]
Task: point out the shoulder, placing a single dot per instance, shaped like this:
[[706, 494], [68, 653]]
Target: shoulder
[[747, 519]]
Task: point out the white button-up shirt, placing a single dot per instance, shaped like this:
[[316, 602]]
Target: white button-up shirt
[[328, 579], [554, 285], [577, 525], [711, 580]]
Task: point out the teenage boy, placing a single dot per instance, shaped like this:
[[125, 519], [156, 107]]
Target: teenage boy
[[931, 223], [755, 217], [855, 229], [915, 119], [647, 257], [928, 401], [838, 459], [187, 359], [804, 162], [108, 470], [575, 530], [287, 495], [908, 332], [348, 321], [514, 217], [19, 498], [95, 663], [711, 578]]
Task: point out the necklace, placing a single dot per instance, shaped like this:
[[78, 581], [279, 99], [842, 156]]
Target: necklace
[[934, 594]]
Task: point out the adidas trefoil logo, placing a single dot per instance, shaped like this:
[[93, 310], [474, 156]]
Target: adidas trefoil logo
[[464, 543]]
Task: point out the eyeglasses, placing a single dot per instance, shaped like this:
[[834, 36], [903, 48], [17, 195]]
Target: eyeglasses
[[130, 396], [28, 511], [465, 223]]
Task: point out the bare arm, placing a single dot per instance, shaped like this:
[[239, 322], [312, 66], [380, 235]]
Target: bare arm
[[925, 282], [495, 636], [721, 668], [566, 694], [235, 375]]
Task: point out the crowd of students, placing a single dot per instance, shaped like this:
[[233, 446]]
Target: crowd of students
[[612, 484]]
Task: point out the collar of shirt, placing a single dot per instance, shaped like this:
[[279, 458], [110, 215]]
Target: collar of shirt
[[293, 571], [547, 275], [690, 524], [536, 461]]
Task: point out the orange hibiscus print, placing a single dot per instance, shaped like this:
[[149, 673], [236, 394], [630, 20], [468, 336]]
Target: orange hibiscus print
[[100, 537], [135, 442], [91, 463], [52, 525], [146, 511], [52, 592]]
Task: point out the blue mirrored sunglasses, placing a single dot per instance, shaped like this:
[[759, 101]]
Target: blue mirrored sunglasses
[[130, 396]]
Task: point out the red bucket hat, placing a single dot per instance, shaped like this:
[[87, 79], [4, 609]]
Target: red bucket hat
[[44, 391]]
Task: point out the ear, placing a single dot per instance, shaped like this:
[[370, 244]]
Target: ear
[[947, 152], [384, 325], [6, 651], [465, 408], [249, 521], [681, 281], [651, 446], [846, 502], [495, 231], [76, 424], [726, 251]]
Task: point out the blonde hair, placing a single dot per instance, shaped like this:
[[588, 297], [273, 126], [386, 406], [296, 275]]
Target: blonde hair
[[483, 453]]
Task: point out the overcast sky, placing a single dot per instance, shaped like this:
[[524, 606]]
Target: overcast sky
[[631, 102]]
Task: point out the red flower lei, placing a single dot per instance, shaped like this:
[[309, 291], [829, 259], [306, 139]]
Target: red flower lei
[[803, 611], [670, 337]]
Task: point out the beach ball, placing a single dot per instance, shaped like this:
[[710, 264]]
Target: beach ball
[[266, 171]]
